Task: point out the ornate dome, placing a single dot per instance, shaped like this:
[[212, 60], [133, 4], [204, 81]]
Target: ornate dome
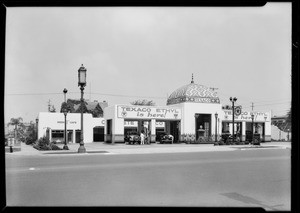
[[194, 93]]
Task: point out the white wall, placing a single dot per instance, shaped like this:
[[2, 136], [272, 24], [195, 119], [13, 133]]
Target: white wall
[[55, 121], [190, 109], [277, 134]]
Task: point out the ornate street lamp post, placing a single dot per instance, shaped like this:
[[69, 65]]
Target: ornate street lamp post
[[65, 114], [232, 101], [37, 122], [81, 83], [252, 117], [216, 136], [65, 111], [65, 92]]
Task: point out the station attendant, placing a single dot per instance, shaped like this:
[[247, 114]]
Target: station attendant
[[142, 138]]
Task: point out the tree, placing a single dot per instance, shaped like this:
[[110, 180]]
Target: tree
[[52, 109], [143, 102], [19, 126], [288, 121], [64, 106], [31, 134], [289, 116]]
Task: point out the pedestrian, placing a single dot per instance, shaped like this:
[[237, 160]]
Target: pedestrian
[[142, 138]]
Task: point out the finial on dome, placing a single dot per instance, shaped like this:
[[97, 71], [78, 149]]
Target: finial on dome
[[192, 79]]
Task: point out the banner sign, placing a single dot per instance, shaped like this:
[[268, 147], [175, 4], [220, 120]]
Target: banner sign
[[246, 116], [147, 112]]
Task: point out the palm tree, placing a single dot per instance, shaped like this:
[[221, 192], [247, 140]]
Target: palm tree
[[16, 122]]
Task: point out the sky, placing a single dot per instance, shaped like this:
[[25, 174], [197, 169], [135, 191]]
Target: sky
[[133, 53]]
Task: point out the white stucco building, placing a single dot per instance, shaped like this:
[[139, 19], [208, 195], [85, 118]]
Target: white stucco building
[[53, 125]]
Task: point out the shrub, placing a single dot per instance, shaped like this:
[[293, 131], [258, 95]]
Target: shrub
[[221, 143], [216, 144], [30, 139], [54, 147], [45, 144]]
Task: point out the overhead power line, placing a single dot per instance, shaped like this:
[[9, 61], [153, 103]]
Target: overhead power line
[[120, 95], [104, 94], [133, 96], [266, 101], [268, 104], [16, 94]]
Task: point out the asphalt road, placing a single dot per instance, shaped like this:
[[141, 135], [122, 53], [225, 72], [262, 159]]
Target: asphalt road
[[241, 178]]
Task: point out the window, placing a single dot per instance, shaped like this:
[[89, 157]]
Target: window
[[57, 133]]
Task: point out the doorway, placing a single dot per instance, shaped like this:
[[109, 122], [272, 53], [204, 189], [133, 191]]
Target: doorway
[[109, 130], [70, 136], [98, 133], [168, 127], [203, 121], [77, 135], [175, 130]]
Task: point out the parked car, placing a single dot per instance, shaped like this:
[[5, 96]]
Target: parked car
[[225, 136], [166, 138], [228, 138], [132, 138]]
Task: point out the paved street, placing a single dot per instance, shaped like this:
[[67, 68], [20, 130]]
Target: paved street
[[236, 178]]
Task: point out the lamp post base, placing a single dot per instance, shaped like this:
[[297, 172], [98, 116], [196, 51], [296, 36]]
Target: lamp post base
[[81, 149]]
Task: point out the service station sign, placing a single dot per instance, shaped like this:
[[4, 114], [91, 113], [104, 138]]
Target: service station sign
[[246, 116], [147, 112]]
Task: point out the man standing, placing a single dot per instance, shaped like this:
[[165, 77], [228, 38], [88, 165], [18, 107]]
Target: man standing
[[142, 137]]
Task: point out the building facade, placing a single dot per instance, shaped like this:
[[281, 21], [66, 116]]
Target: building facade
[[192, 110]]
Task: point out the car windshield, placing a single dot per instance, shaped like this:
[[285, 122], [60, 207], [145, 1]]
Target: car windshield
[[132, 133]]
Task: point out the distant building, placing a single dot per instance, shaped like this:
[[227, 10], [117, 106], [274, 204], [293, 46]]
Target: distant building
[[281, 129]]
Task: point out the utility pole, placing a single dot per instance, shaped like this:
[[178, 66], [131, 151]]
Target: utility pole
[[49, 105], [252, 106], [90, 91]]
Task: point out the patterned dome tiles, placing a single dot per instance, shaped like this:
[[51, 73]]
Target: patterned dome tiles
[[193, 93]]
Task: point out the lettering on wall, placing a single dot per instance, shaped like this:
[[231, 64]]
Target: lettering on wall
[[135, 124], [148, 112], [69, 122]]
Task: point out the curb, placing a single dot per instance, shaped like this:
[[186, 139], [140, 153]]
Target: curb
[[138, 149]]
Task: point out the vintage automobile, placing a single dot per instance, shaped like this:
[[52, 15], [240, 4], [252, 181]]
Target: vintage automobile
[[166, 138], [132, 138], [225, 136], [228, 138]]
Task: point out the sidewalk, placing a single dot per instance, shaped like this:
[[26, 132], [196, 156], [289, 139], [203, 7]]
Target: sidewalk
[[26, 150], [105, 148]]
